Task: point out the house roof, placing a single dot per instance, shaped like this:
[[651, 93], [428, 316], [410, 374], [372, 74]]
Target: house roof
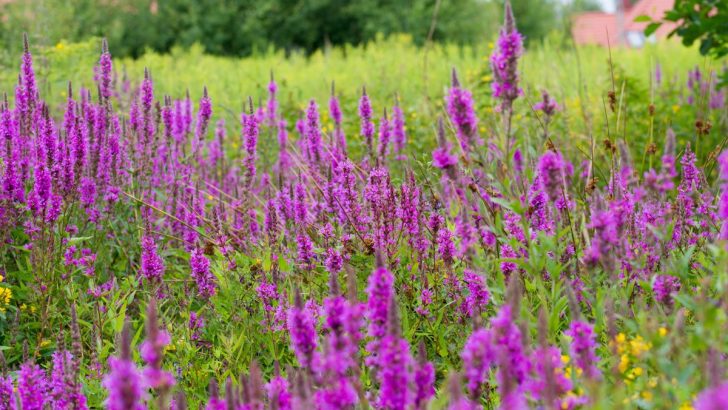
[[592, 27]]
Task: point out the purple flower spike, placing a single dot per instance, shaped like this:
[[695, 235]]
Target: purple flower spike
[[462, 114], [124, 382]]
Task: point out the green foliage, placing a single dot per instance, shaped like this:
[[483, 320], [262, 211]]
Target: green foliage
[[704, 20], [244, 27]]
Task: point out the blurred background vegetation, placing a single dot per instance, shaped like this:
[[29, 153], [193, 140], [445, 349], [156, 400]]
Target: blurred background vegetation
[[244, 27]]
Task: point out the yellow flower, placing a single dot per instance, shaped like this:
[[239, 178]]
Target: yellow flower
[[635, 373], [60, 46], [623, 363], [675, 108], [686, 406], [44, 343], [210, 197], [486, 78], [5, 295], [647, 395], [491, 45], [662, 332], [1, 278], [639, 346], [565, 359]]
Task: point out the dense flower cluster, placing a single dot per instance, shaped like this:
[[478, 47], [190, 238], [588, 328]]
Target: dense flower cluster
[[134, 197]]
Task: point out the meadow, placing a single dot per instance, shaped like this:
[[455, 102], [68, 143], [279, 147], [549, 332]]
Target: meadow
[[383, 226]]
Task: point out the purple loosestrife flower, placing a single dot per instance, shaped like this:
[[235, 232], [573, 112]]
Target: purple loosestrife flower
[[87, 191], [478, 296], [299, 205], [7, 393], [552, 171], [250, 143], [442, 157], [334, 261], [690, 172], [271, 112], [33, 388], [513, 361], [445, 246], [395, 367], [203, 117], [278, 393], [664, 287], [606, 238], [336, 116], [305, 250], [385, 135], [583, 346], [462, 114], [723, 199], [65, 390], [196, 324], [399, 132], [284, 160], [152, 265], [124, 382], [302, 330], [713, 398], [381, 291], [205, 280], [313, 134], [152, 352], [424, 379], [504, 61], [270, 222], [367, 126], [214, 401], [338, 391], [105, 68], [478, 357], [549, 380], [28, 77], [547, 105]]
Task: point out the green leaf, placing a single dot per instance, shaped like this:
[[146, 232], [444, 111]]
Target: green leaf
[[642, 19], [652, 28]]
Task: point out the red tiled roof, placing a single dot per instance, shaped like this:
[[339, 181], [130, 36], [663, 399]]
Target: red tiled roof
[[592, 27]]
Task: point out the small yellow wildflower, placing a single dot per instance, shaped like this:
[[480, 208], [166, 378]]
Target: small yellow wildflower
[[675, 108], [623, 363], [565, 359], [647, 395], [210, 197], [491, 45], [662, 332], [44, 343], [5, 295], [60, 46], [686, 406], [639, 346], [486, 78]]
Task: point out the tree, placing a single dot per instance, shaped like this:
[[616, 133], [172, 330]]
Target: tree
[[703, 20]]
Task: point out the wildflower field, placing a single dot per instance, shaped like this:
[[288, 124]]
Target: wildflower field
[[384, 226]]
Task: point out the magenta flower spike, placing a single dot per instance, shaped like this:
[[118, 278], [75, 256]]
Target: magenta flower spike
[[460, 109], [124, 382]]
